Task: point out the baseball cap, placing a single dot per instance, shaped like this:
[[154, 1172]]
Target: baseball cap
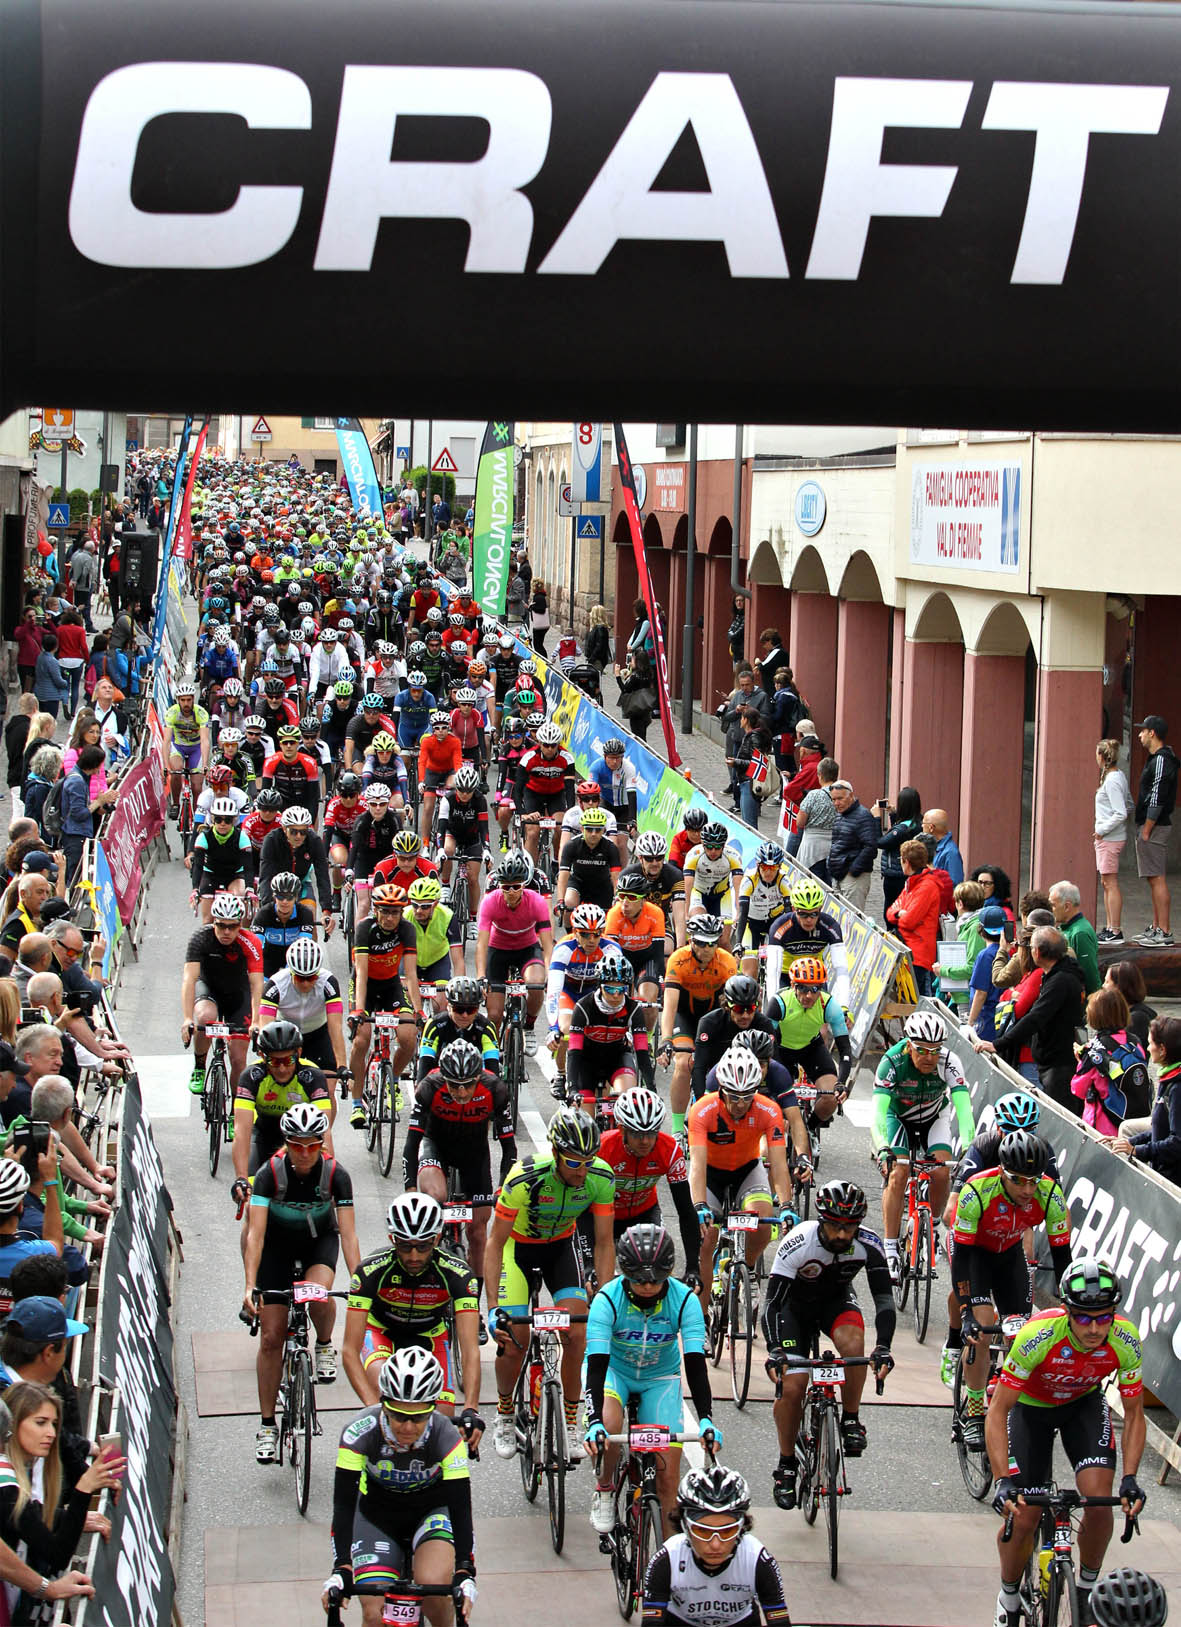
[[41, 1319], [56, 909], [9, 1062], [39, 862], [1155, 722], [991, 920]]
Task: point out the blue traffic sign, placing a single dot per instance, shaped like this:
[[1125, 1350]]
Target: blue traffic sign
[[403, 452], [59, 516], [590, 528]]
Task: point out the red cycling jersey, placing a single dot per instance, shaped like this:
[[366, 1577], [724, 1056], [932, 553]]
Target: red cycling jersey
[[342, 819], [545, 775], [258, 828], [636, 1178]]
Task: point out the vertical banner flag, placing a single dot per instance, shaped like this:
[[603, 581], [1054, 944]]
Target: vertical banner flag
[[586, 463], [628, 482], [184, 530], [359, 468], [178, 477], [493, 528]]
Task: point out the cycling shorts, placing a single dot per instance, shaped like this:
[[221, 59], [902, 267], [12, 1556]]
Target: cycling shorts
[[502, 963], [287, 1255], [232, 1008], [552, 804], [189, 755], [800, 1325], [211, 885], [659, 1399], [1086, 1431], [438, 972], [467, 852], [1001, 1279], [316, 1047], [938, 1134], [647, 963], [736, 1188], [379, 1344], [553, 1261], [433, 778], [602, 1065], [386, 994], [380, 1556], [473, 1168], [755, 934], [650, 1216], [815, 1059], [712, 904]]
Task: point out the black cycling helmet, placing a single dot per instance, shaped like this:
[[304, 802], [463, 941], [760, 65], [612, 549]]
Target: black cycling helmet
[[573, 1131], [759, 1041], [274, 689], [1021, 1153], [463, 991], [1090, 1285], [740, 990], [841, 1200], [1128, 1598], [269, 800], [645, 1253], [514, 870], [714, 834], [631, 884], [349, 785], [286, 885], [695, 818], [279, 1036]]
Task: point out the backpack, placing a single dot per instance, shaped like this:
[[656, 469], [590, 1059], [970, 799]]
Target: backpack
[[51, 812], [279, 1172], [1129, 1086]]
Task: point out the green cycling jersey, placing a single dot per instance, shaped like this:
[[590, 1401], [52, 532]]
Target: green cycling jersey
[[543, 1207], [915, 1099], [799, 1025]]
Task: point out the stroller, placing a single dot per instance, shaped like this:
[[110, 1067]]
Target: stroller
[[586, 676]]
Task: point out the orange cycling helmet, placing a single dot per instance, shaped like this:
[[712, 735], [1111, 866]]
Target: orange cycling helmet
[[808, 971], [391, 896]]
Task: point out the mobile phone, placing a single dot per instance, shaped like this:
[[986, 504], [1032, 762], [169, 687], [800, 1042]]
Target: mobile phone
[[110, 1446]]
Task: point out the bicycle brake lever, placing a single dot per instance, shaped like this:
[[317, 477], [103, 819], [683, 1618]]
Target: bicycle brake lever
[[1008, 1530], [1131, 1524]]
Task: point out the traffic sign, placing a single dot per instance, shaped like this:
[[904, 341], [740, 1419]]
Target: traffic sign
[[445, 464], [403, 453], [565, 505], [59, 516], [261, 431], [590, 528], [57, 423]]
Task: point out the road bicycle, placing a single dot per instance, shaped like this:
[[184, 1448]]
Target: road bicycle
[[637, 1532], [512, 1036], [381, 1089], [1049, 1588], [820, 1451], [296, 1409], [348, 912], [185, 807], [402, 1605], [974, 1465], [916, 1244], [217, 1104], [539, 1412], [730, 1316]]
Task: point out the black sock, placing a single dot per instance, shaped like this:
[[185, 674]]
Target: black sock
[[786, 1462], [479, 1288], [850, 1418], [955, 1339], [268, 1421]]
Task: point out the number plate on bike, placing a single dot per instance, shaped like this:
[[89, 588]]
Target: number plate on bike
[[828, 1375], [218, 1030], [427, 990], [805, 1093], [305, 1293], [1012, 1325], [387, 1019], [548, 824], [549, 1319], [401, 1612], [515, 988], [456, 1214], [742, 1223], [647, 1438]]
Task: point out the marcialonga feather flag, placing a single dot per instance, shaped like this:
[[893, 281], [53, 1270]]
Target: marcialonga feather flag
[[633, 517], [492, 542], [359, 468]]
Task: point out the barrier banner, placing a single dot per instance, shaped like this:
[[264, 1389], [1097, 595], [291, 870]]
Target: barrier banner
[[493, 529], [132, 1572], [359, 470], [106, 906], [178, 477], [1119, 1211], [183, 548], [139, 816], [659, 664]]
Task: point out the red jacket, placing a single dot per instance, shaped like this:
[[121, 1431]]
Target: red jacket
[[915, 913], [806, 779], [71, 643]]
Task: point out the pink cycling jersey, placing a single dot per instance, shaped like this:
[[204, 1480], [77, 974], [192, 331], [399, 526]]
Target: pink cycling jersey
[[513, 928]]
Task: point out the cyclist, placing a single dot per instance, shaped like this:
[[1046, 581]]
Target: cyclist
[[638, 1325], [337, 712], [920, 1095], [763, 895], [712, 1571], [693, 981], [228, 753], [725, 1167], [573, 970], [340, 821], [1051, 1383], [799, 1016], [372, 841], [737, 1013], [607, 1035], [371, 719], [301, 1217], [468, 724], [303, 992], [385, 953], [461, 1019], [440, 950], [280, 922], [712, 874], [294, 773], [296, 849], [693, 822], [264, 1093], [256, 748], [440, 756], [588, 866], [808, 929], [407, 861], [616, 779], [637, 926], [221, 983], [414, 1293], [586, 795], [639, 1153], [513, 931], [544, 784], [222, 857], [810, 1291], [995, 1208], [532, 1241], [186, 742], [1128, 1598], [402, 1498], [665, 885], [513, 745], [383, 765], [463, 829], [779, 1086], [455, 1106]]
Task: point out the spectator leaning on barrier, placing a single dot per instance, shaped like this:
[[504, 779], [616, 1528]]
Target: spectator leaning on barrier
[[1077, 930], [854, 845], [914, 914], [1159, 1144], [1049, 1024], [983, 991], [1154, 822], [947, 854]]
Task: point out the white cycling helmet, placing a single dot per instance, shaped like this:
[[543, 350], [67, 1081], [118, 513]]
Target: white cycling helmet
[[305, 957], [230, 737], [588, 918], [414, 1217], [223, 808], [927, 1027], [228, 907], [739, 1071], [639, 1110], [304, 1122], [650, 844], [549, 735], [186, 688], [411, 1377], [296, 818], [14, 1183]]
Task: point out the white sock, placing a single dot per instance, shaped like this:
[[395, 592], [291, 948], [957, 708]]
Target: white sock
[[891, 1248]]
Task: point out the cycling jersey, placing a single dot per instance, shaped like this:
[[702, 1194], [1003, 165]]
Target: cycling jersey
[[468, 728], [186, 726], [309, 859], [308, 1008], [798, 1025], [572, 823], [1047, 1368], [713, 878], [541, 1206], [466, 821], [716, 1033], [225, 968], [618, 787], [385, 948], [439, 756], [697, 985], [340, 821], [241, 767], [413, 715], [603, 1040], [633, 937], [513, 929], [984, 1153], [458, 1129], [268, 1100], [305, 1208], [441, 1030], [436, 937], [219, 858], [407, 1303], [765, 901], [987, 1217], [392, 872], [382, 1489], [572, 971], [545, 776], [297, 780], [592, 869], [810, 1272], [788, 939], [731, 1143], [678, 1588], [636, 1178], [681, 846], [904, 1096], [668, 883], [373, 841], [645, 1341]]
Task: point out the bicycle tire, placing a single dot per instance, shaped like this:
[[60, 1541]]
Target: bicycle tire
[[833, 1476], [348, 921], [216, 1087], [387, 1119], [514, 1067], [742, 1333], [1062, 1606], [924, 1266], [649, 1540], [526, 1423], [902, 1286], [555, 1465], [803, 1197], [300, 1427], [717, 1320], [369, 1096], [623, 1547], [974, 1466], [808, 1473]]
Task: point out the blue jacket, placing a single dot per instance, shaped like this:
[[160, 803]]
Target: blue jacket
[[854, 842], [49, 682], [947, 857], [1160, 1145], [77, 819]]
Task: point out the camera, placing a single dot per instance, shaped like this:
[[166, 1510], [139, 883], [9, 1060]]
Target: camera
[[30, 1141]]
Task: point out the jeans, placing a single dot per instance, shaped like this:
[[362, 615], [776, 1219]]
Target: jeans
[[924, 980], [82, 598], [73, 674], [72, 848], [749, 803]]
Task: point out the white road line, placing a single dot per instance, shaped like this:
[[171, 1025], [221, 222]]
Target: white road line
[[535, 1125], [692, 1453]]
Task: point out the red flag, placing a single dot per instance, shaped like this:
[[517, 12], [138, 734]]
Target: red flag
[[633, 516], [183, 547]]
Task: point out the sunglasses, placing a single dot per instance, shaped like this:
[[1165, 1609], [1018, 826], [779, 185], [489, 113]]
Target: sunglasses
[[716, 1533], [925, 1050], [746, 1008], [404, 1416], [807, 915], [1085, 1319], [278, 1060], [576, 1163], [513, 887], [464, 1011]]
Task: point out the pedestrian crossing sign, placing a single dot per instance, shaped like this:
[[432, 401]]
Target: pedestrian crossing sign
[[590, 528]]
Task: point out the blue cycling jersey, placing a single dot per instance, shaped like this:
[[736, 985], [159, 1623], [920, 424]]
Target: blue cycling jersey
[[414, 716], [646, 1342]]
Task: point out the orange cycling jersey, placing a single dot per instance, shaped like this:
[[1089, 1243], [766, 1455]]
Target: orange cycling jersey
[[730, 1143], [437, 756], [646, 929], [699, 985]]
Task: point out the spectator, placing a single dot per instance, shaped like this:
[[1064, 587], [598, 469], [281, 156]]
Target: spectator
[[754, 750], [73, 653], [1113, 804], [1006, 974], [786, 707], [598, 639], [854, 845], [998, 889], [809, 753], [31, 892], [40, 1048], [441, 513], [525, 570], [1077, 930], [43, 771], [905, 822], [539, 615], [112, 571], [915, 912], [1109, 1059], [743, 694], [34, 955], [80, 802], [27, 638], [771, 656], [817, 819], [122, 635], [84, 576], [1154, 821], [1050, 1022], [736, 632], [517, 599], [50, 684], [41, 727], [947, 854], [641, 633], [1127, 977], [638, 700], [45, 1275], [983, 991], [16, 738], [968, 901], [1159, 1146]]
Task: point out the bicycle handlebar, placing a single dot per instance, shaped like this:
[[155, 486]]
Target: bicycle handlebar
[[1067, 1499], [805, 1364]]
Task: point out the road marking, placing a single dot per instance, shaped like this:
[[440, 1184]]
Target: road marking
[[693, 1452], [535, 1125], [164, 1084], [859, 1112]]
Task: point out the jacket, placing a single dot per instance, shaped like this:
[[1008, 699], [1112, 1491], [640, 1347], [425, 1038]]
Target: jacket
[[1049, 1024], [598, 647], [77, 819], [1160, 1145], [1158, 788], [1113, 803], [947, 857], [915, 912], [1084, 946], [49, 682], [854, 842], [891, 840]]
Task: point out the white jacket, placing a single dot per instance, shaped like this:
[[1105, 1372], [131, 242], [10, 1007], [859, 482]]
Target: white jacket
[[1113, 804]]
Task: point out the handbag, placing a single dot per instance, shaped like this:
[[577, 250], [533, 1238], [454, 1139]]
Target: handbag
[[638, 700]]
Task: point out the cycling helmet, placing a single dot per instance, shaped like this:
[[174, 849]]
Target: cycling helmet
[[639, 1110], [631, 884], [372, 703], [465, 696], [348, 785], [186, 689], [414, 1217], [455, 619], [467, 779], [739, 1071], [459, 651], [512, 724], [769, 853], [514, 870], [1021, 1153], [808, 971], [440, 719], [713, 1490], [14, 1183], [807, 895], [593, 819], [435, 616], [528, 666], [328, 636], [416, 680], [1128, 1598], [232, 689], [305, 957], [645, 1253], [695, 819], [223, 808], [274, 689], [382, 741], [254, 722], [230, 737], [926, 1027], [379, 791], [1016, 1111], [296, 819], [288, 734], [841, 1200], [221, 639], [585, 789], [279, 1035], [588, 918], [573, 1131], [549, 735], [1090, 1285], [228, 907], [385, 650], [416, 650], [650, 844], [412, 1377], [219, 776], [705, 929], [714, 834], [507, 641], [304, 1122], [310, 724], [614, 967], [757, 1041], [426, 890], [463, 991], [477, 669], [388, 897], [408, 843], [268, 800], [740, 990], [460, 1062]]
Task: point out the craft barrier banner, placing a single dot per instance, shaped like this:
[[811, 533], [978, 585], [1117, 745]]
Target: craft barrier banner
[[1118, 1210], [360, 473], [174, 506], [493, 528], [138, 817], [132, 1573], [183, 548]]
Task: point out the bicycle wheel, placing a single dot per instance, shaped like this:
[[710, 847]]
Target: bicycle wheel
[[216, 1088], [924, 1267], [650, 1536], [623, 1547], [527, 1457], [902, 1286], [1062, 1606], [387, 1122], [742, 1332], [833, 1471], [348, 921], [555, 1464], [803, 1197], [974, 1466], [808, 1473], [717, 1317], [514, 1067], [299, 1425]]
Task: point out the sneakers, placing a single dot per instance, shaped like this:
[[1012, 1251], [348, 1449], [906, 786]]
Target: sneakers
[[325, 1364], [853, 1435], [1110, 935], [783, 1485], [1155, 937], [197, 1081], [602, 1513], [894, 1266], [504, 1435], [947, 1364], [266, 1443], [530, 1042], [973, 1429], [357, 1116]]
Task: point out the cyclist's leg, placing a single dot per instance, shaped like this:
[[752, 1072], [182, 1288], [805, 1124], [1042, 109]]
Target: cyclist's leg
[[848, 1335], [684, 1034], [475, 869], [1031, 1446], [894, 1190], [518, 1268], [616, 1393], [533, 972], [358, 1057], [660, 1403], [753, 1198], [324, 1253], [796, 1340], [434, 1562], [1088, 1439], [717, 1186], [561, 1276]]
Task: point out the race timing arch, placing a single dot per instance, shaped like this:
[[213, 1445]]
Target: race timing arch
[[766, 210]]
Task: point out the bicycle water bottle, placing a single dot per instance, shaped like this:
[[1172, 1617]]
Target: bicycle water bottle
[[1044, 1560], [535, 1371]]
